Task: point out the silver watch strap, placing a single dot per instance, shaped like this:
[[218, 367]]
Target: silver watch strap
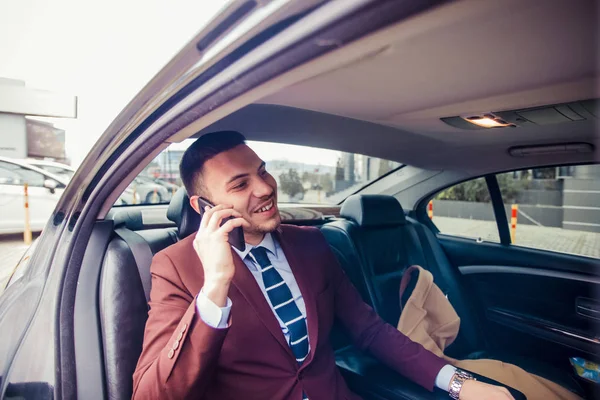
[[457, 382]]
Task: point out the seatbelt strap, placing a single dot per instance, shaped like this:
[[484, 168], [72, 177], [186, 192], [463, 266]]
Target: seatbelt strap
[[417, 240], [430, 257], [142, 254]]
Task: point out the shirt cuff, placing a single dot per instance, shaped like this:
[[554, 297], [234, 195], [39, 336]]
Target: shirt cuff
[[443, 378], [212, 315]]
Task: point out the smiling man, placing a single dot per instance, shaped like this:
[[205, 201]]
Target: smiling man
[[255, 324]]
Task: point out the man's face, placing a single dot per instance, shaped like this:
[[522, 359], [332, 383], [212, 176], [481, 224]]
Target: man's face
[[238, 177]]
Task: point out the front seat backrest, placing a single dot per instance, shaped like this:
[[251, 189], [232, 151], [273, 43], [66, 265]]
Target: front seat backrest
[[386, 243], [373, 249]]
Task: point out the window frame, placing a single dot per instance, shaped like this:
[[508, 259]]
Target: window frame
[[498, 206]]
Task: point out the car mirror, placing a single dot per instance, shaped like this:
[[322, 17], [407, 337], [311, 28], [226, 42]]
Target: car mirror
[[51, 185]]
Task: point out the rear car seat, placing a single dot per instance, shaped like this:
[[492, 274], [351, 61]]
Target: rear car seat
[[122, 298], [374, 244]]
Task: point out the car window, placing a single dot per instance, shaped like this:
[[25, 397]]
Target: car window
[[465, 210], [554, 208], [7, 175], [304, 174], [13, 174], [62, 172]]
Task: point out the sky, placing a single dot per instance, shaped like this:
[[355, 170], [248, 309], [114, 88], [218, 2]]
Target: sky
[[104, 53]]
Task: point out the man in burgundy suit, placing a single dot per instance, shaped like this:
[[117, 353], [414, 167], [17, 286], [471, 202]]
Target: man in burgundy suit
[[254, 324]]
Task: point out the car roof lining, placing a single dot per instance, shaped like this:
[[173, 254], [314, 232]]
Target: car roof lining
[[274, 123], [463, 55], [467, 155], [409, 76]]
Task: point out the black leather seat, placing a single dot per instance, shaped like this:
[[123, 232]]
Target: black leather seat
[[122, 296], [184, 216], [374, 244]]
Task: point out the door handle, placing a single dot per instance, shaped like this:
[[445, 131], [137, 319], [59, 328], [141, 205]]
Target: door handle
[[588, 308]]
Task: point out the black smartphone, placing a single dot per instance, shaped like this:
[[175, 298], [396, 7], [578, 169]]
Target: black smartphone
[[236, 236]]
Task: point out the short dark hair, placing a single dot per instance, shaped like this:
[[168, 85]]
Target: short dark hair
[[203, 149]]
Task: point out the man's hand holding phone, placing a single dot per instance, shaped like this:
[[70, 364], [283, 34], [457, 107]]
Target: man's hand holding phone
[[214, 250]]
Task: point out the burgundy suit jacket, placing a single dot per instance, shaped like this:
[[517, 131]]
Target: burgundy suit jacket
[[183, 358]]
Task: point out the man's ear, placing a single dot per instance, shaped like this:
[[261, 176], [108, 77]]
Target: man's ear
[[194, 203]]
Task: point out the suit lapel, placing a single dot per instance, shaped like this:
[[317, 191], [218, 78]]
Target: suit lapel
[[296, 261], [245, 283]]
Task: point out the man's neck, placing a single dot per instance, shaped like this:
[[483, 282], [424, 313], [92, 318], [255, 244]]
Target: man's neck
[[253, 238]]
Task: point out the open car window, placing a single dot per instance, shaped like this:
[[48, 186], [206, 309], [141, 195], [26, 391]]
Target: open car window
[[553, 209], [304, 175]]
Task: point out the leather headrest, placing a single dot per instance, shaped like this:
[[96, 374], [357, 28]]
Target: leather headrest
[[130, 219], [181, 212], [371, 210]]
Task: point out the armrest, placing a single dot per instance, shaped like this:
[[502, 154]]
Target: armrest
[[370, 379]]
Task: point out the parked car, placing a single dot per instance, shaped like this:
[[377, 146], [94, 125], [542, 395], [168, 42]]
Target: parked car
[[150, 191], [418, 84], [66, 172], [171, 187], [59, 169], [44, 190], [129, 196]]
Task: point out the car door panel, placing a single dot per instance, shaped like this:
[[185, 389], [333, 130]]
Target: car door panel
[[11, 209], [531, 300], [41, 205]]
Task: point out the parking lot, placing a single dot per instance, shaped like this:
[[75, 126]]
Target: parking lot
[[539, 237]]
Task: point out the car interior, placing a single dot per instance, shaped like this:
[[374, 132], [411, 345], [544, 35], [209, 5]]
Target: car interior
[[404, 93]]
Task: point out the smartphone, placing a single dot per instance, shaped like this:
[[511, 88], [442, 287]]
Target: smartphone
[[236, 236]]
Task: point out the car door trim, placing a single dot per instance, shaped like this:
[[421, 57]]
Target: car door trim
[[545, 329], [504, 269]]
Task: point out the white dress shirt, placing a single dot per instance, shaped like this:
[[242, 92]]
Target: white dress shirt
[[217, 317]]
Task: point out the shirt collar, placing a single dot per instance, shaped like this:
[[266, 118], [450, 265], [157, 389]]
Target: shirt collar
[[268, 243]]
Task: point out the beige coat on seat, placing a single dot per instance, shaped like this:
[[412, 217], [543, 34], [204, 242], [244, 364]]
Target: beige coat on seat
[[429, 319]]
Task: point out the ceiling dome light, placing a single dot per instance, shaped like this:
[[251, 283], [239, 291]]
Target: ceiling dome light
[[488, 121]]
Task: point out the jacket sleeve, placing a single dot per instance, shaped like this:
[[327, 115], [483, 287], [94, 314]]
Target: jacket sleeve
[[371, 333], [180, 351]]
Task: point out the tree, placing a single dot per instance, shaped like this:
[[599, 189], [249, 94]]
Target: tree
[[477, 191], [474, 190], [290, 183], [510, 187]]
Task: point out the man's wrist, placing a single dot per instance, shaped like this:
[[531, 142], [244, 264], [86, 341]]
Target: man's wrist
[[217, 291], [213, 316], [457, 381], [444, 376]]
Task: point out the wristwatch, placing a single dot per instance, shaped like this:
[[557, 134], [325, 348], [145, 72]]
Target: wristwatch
[[457, 382]]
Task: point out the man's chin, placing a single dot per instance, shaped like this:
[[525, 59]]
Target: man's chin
[[267, 226]]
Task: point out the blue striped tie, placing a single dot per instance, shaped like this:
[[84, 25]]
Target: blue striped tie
[[283, 303]]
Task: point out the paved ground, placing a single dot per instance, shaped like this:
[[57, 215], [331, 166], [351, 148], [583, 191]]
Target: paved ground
[[539, 237], [12, 248]]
